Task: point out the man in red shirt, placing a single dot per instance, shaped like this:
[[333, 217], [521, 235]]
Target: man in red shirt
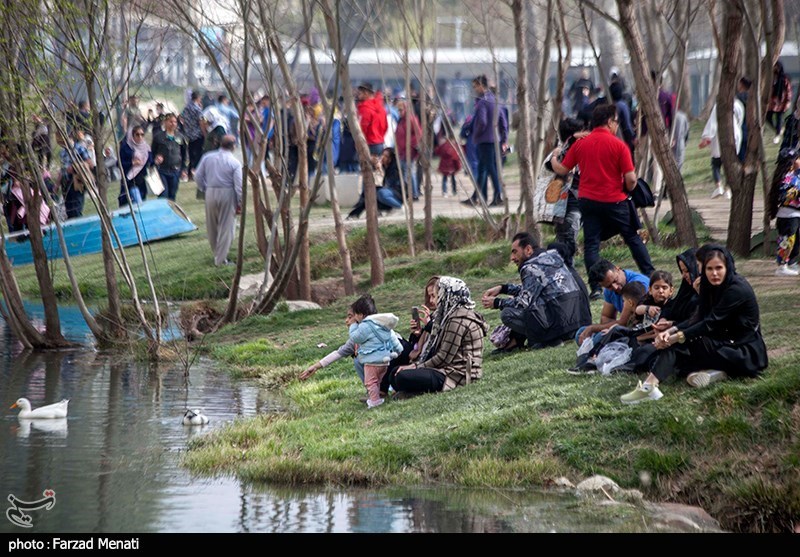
[[372, 117], [607, 177]]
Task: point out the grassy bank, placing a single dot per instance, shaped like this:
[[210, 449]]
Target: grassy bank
[[732, 448]]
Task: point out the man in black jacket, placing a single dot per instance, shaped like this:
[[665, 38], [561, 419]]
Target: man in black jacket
[[168, 156], [548, 306]]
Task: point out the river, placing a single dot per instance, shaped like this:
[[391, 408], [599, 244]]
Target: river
[[115, 462]]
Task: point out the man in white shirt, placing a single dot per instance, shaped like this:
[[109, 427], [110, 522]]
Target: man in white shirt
[[219, 176]]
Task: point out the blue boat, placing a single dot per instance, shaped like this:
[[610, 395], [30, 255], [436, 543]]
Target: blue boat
[[157, 219]]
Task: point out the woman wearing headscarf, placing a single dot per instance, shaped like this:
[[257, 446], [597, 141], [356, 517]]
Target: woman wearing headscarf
[[684, 304], [780, 97], [135, 157], [453, 354], [725, 337]]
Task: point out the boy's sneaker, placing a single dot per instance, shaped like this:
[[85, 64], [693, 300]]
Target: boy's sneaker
[[795, 267], [728, 193], [719, 191], [642, 393], [371, 404], [581, 371], [786, 271], [702, 379]]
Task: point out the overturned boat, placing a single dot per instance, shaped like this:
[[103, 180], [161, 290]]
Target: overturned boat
[[157, 219]]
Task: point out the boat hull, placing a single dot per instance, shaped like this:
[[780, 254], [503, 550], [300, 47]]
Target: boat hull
[[157, 219]]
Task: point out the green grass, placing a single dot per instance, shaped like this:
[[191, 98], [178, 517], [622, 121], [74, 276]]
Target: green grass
[[526, 423]]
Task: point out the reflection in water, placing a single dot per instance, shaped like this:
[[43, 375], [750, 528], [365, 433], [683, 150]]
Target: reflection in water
[[114, 463], [55, 428]]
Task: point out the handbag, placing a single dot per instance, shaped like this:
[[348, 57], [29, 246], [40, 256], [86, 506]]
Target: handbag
[[642, 195], [153, 181]]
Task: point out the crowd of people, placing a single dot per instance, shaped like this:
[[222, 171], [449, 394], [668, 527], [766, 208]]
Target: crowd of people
[[709, 331]]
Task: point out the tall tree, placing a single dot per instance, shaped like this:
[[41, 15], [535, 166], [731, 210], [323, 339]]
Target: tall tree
[[742, 176]]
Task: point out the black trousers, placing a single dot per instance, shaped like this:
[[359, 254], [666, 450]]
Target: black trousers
[[602, 221], [420, 380], [195, 152], [700, 353]]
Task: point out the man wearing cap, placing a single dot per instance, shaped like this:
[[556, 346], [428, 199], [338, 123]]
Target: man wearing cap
[[371, 117]]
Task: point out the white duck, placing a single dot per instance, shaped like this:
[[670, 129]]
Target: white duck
[[50, 412], [194, 417]]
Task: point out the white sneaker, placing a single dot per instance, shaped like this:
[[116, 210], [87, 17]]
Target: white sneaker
[[786, 271], [371, 404], [702, 379], [728, 193], [795, 267], [777, 139], [642, 393], [718, 192]]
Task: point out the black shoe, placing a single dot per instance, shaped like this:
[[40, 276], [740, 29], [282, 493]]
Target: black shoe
[[496, 203], [470, 201], [596, 294], [552, 344]]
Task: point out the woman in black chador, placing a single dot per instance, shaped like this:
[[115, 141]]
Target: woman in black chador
[[724, 338]]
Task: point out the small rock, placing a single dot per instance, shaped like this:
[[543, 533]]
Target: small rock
[[564, 482], [299, 305], [695, 515], [630, 495], [673, 522], [598, 483]]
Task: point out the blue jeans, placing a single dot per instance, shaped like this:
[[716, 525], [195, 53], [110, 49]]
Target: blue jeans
[[410, 177], [171, 179], [387, 197], [487, 168], [595, 337]]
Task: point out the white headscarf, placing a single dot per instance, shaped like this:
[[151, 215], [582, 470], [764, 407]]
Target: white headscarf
[[140, 150], [452, 294]]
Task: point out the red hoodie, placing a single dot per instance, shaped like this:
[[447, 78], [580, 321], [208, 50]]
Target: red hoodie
[[372, 117], [449, 163]]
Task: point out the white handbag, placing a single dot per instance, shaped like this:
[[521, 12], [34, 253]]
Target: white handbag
[[154, 183]]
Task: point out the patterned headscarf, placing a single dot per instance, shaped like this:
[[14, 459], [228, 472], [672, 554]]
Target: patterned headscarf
[[452, 294]]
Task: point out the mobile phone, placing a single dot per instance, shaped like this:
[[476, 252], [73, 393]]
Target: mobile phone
[[415, 314]]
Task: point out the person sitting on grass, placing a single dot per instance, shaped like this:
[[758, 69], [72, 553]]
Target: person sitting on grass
[[453, 355], [614, 312], [362, 308], [657, 301], [420, 332], [633, 293], [548, 306], [725, 339], [377, 344]]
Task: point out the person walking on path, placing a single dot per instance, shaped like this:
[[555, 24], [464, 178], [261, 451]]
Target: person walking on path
[[219, 176], [607, 178], [485, 135], [167, 147], [190, 118], [780, 97]]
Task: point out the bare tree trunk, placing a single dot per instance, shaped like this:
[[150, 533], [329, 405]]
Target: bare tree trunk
[[564, 47], [338, 224], [425, 147], [659, 137], [331, 17], [742, 177], [408, 201], [523, 133], [715, 80]]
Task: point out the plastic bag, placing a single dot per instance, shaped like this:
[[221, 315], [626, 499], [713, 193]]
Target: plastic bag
[[586, 347], [613, 355]]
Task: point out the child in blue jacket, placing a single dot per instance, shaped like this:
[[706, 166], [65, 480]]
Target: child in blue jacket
[[377, 345]]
